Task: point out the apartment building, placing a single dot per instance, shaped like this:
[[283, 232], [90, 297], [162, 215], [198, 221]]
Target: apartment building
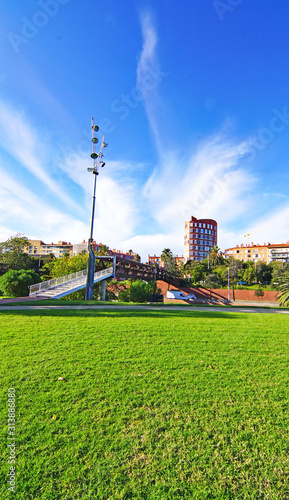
[[38, 248], [98, 247], [260, 253], [279, 253], [200, 236], [156, 260]]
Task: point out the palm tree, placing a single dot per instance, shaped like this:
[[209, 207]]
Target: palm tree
[[283, 297], [215, 255], [167, 257]]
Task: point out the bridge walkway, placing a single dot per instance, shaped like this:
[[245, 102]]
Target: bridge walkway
[[59, 287], [121, 269]]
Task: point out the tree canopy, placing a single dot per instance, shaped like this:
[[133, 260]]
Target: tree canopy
[[16, 283], [12, 253]]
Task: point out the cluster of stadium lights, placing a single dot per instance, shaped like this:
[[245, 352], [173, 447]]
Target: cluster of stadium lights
[[97, 157]]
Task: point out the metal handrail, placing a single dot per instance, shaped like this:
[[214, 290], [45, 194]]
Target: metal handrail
[[69, 278]]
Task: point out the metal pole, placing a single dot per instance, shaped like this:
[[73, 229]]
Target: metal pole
[[91, 254], [228, 284], [95, 170]]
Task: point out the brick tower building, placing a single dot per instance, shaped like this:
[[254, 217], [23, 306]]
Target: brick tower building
[[200, 237]]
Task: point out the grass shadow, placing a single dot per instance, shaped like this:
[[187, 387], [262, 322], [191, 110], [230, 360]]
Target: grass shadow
[[121, 313]]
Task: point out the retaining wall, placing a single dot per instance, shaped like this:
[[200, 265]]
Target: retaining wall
[[221, 294]]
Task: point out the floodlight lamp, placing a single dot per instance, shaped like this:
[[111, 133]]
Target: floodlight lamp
[[104, 144], [90, 169], [96, 128], [102, 164], [94, 155], [95, 140]]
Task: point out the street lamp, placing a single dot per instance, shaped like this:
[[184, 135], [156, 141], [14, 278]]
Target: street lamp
[[97, 162]]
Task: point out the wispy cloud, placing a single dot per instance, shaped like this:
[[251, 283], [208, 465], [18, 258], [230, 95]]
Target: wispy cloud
[[117, 208], [22, 208], [148, 55], [147, 65], [24, 144], [208, 179]]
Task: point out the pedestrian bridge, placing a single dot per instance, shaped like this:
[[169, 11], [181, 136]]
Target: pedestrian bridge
[[121, 269], [59, 287]]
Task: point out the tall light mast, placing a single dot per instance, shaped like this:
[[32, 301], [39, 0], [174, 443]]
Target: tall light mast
[[97, 163]]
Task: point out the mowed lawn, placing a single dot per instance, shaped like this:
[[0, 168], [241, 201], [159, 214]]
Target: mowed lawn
[[154, 404]]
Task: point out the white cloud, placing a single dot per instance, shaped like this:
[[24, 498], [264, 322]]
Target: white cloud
[[25, 145], [150, 77], [272, 227], [23, 209], [147, 56], [205, 185]]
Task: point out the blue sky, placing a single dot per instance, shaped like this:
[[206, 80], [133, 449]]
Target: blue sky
[[193, 99]]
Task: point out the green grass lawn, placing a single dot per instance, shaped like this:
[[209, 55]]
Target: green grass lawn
[[155, 405]]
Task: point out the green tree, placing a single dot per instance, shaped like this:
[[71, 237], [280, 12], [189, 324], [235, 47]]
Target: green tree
[[212, 281], [280, 272], [62, 266], [215, 255], [249, 274], [263, 272], [195, 270], [222, 273], [169, 262], [167, 257], [236, 269], [12, 253], [16, 283]]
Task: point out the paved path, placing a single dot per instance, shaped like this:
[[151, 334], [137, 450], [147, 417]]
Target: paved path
[[145, 308]]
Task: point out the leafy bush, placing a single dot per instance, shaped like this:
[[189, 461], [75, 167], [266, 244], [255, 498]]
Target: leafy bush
[[16, 283], [139, 291], [212, 281], [124, 296], [259, 292]]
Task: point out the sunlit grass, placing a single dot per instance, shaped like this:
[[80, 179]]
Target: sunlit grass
[[153, 405]]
